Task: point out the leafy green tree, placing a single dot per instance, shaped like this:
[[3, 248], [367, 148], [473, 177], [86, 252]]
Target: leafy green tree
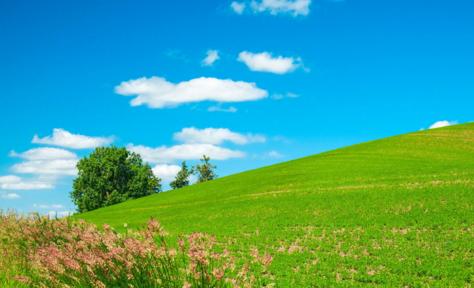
[[205, 171], [182, 178], [111, 175]]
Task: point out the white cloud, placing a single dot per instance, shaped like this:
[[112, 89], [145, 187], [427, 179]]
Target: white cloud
[[265, 62], [217, 108], [66, 139], [60, 167], [274, 7], [46, 161], [215, 136], [165, 154], [157, 92], [12, 182], [211, 57], [10, 196], [444, 123], [45, 153], [166, 172], [238, 7]]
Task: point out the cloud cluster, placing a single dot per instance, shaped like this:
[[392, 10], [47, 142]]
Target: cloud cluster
[[157, 92], [265, 62], [215, 136], [43, 166], [274, 7], [167, 154], [63, 138], [46, 161], [193, 144], [44, 153], [443, 123], [211, 58]]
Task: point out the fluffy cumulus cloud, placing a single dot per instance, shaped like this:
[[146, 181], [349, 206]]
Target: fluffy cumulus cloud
[[13, 182], [274, 7], [45, 153], [46, 161], [157, 92], [211, 57], [166, 172], [165, 154], [67, 139], [49, 167], [443, 123], [265, 62], [45, 166], [215, 136], [194, 143]]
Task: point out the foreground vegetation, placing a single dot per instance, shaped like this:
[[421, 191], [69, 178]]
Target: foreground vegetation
[[394, 212], [38, 252]]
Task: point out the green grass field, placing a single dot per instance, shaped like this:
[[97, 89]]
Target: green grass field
[[393, 212]]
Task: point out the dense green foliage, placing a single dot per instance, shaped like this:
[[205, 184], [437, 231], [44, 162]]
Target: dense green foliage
[[182, 178], [394, 212], [111, 175], [205, 171]]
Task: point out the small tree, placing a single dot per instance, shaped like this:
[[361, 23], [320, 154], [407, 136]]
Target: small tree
[[205, 170], [111, 175], [182, 178]]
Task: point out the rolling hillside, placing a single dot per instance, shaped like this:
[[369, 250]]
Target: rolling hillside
[[393, 212]]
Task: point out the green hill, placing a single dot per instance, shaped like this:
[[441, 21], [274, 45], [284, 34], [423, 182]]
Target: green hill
[[393, 212]]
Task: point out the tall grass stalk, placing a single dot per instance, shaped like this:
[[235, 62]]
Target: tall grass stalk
[[39, 252]]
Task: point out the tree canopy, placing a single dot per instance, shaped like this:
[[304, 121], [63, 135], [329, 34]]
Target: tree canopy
[[111, 175]]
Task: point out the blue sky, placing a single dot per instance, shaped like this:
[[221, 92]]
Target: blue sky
[[284, 79]]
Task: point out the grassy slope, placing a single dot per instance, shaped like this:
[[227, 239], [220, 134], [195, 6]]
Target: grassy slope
[[390, 212]]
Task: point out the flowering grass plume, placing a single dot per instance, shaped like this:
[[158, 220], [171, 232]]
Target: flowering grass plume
[[39, 252]]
